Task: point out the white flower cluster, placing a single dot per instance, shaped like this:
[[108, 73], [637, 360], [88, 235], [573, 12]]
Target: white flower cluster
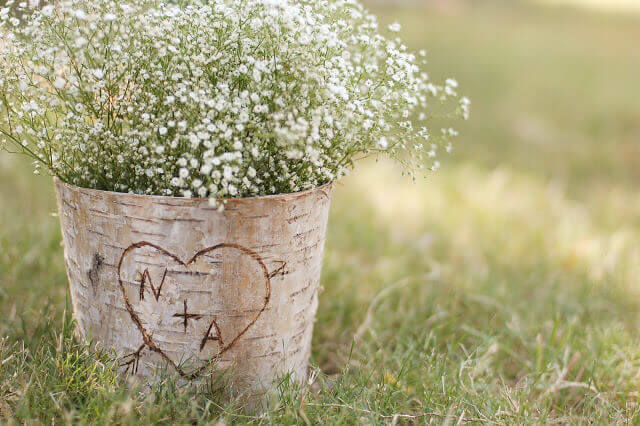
[[216, 98]]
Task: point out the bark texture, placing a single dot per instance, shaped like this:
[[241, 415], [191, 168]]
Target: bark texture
[[172, 282]]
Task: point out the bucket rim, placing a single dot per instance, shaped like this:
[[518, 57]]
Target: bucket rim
[[324, 188]]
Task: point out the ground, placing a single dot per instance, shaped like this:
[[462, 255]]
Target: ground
[[502, 289]]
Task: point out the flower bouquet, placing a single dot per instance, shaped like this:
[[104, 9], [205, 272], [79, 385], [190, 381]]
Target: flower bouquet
[[193, 146]]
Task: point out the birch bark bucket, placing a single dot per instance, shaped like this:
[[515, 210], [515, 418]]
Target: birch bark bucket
[[174, 283]]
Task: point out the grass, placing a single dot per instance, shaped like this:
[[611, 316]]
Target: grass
[[504, 289]]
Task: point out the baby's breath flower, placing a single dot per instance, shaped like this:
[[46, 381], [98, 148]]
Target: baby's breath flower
[[216, 98], [395, 27]]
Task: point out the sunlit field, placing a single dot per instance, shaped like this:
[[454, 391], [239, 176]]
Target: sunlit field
[[607, 5], [504, 288]]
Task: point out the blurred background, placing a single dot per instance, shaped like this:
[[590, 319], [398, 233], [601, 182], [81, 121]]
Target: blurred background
[[504, 286]]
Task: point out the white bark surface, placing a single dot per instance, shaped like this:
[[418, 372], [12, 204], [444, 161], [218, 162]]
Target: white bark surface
[[172, 282]]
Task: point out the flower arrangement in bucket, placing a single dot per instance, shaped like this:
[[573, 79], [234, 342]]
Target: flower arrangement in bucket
[[193, 146]]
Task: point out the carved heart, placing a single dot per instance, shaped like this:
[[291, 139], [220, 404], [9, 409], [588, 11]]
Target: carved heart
[[198, 308]]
